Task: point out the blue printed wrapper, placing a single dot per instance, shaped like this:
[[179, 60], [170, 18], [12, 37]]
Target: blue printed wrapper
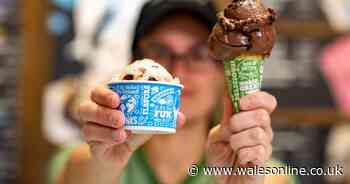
[[149, 107]]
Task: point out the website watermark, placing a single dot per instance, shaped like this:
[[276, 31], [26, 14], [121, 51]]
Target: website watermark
[[195, 170]]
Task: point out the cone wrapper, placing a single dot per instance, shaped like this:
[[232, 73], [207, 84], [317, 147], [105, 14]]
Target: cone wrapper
[[243, 76]]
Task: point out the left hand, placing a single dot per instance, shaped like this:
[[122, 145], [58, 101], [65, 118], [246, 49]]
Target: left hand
[[243, 139]]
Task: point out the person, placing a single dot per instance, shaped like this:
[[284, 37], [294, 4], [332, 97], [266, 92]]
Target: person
[[174, 33]]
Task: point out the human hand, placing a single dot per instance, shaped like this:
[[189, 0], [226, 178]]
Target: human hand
[[110, 144], [243, 139]]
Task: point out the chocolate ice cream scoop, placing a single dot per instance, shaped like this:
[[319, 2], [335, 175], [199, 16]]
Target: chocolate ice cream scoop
[[244, 27]]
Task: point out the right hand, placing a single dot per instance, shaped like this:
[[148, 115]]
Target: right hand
[[110, 144]]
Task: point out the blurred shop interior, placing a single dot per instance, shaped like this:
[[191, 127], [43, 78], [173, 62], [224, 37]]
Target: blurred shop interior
[[46, 46]]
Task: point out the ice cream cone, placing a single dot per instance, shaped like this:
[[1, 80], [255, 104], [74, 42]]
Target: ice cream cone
[[243, 38], [243, 76]]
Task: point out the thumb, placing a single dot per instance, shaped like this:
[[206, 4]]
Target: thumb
[[228, 111]]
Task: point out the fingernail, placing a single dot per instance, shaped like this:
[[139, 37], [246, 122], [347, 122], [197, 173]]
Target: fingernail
[[113, 118], [113, 100], [122, 119], [117, 135], [120, 122]]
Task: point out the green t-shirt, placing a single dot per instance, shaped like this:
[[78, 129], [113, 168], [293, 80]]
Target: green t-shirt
[[138, 170]]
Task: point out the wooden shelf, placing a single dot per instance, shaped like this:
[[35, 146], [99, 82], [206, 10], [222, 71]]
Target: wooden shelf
[[33, 75], [325, 117], [313, 29]]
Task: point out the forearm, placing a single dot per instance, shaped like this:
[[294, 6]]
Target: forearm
[[90, 175], [82, 168]]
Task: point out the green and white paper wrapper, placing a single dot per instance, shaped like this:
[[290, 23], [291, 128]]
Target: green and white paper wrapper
[[243, 76]]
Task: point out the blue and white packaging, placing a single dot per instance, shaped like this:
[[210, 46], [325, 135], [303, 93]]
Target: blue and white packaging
[[149, 107]]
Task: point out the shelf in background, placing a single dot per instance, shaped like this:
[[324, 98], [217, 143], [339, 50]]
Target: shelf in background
[[301, 29], [323, 117]]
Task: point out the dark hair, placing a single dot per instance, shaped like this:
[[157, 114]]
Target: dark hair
[[157, 11], [137, 54]]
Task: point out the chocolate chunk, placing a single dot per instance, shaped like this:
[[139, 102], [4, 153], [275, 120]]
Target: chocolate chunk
[[128, 77], [152, 79]]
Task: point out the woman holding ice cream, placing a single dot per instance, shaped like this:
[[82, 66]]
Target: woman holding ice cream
[[175, 34]]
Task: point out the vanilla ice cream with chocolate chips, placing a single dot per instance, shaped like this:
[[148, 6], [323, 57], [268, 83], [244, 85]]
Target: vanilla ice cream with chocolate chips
[[149, 97], [145, 70]]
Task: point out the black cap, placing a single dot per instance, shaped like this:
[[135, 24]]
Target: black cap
[[155, 11]]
